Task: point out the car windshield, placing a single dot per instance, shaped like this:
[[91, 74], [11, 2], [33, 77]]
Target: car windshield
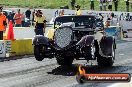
[[78, 20]]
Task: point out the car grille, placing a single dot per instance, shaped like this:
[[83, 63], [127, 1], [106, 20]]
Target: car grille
[[63, 37]]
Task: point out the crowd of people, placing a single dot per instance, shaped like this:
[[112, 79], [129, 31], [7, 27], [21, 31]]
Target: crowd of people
[[105, 4], [22, 20], [19, 19]]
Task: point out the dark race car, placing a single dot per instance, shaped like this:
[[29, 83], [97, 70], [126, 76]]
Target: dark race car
[[75, 37]]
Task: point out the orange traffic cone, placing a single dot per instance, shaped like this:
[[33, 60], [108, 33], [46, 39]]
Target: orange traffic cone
[[10, 33]]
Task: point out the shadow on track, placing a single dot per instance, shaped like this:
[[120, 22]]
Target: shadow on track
[[73, 70]]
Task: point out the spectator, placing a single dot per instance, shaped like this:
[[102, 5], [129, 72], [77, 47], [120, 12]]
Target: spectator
[[56, 13], [27, 22], [107, 23], [23, 20], [28, 13], [124, 16], [127, 5], [92, 4], [12, 16], [33, 15], [121, 17], [101, 17], [5, 13], [3, 23], [78, 11], [40, 23], [116, 4], [110, 5], [18, 19], [9, 17], [73, 4], [61, 13], [104, 4], [100, 4], [112, 15]]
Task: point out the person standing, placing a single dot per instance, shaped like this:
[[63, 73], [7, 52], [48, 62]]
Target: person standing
[[110, 5], [101, 17], [127, 5], [61, 13], [28, 14], [3, 23], [40, 23], [23, 19], [92, 4], [9, 17], [104, 4], [73, 4], [12, 16], [100, 4], [116, 4], [56, 13], [33, 16], [18, 19], [78, 11]]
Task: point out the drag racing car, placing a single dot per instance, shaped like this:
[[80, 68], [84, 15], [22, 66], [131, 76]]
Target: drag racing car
[[75, 38]]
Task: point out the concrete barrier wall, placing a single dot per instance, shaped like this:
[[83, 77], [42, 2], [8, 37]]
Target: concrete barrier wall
[[126, 24], [23, 32], [21, 47]]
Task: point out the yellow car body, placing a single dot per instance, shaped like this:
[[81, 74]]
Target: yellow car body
[[50, 34]]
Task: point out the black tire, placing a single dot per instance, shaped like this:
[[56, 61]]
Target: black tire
[[38, 53], [64, 61], [106, 62]]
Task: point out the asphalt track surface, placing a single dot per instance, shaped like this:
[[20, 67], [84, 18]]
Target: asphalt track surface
[[27, 72]]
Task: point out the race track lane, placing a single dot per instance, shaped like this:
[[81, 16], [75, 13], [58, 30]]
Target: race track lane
[[28, 72]]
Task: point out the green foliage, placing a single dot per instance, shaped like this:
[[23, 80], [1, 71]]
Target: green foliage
[[85, 4]]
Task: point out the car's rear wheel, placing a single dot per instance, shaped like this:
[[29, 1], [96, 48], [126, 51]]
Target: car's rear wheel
[[39, 52], [106, 61], [64, 61]]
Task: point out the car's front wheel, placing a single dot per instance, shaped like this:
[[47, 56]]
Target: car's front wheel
[[39, 52]]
